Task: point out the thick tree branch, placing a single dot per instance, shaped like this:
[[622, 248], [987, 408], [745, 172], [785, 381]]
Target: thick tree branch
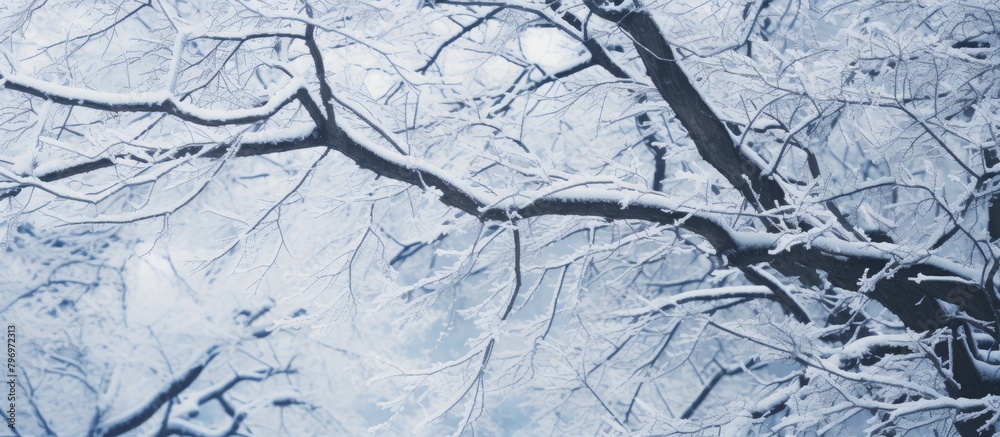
[[141, 413], [706, 129], [325, 92], [844, 262]]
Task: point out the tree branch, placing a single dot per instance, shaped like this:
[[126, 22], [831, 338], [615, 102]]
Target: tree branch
[[705, 128], [141, 413], [161, 101], [254, 144]]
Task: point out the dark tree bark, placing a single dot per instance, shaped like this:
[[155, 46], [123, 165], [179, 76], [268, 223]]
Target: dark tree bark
[[913, 303]]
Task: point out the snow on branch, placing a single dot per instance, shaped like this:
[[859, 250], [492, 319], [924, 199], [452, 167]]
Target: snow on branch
[[160, 101], [719, 293], [250, 144], [624, 202]]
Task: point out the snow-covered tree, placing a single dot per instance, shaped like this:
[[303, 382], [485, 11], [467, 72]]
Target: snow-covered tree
[[541, 216]]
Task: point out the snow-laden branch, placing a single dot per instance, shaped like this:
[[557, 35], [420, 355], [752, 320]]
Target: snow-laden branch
[[844, 261], [250, 144], [827, 366], [159, 101], [865, 346], [720, 293]]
